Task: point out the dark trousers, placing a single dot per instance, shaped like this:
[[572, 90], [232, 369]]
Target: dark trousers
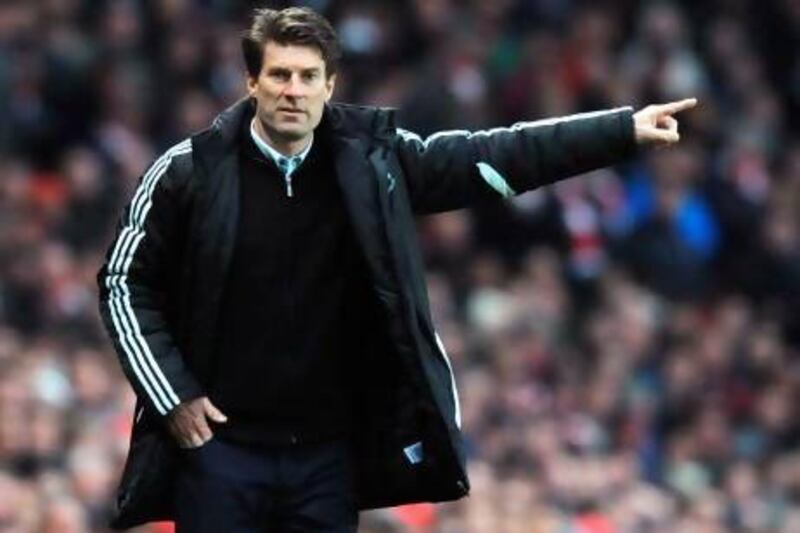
[[228, 487]]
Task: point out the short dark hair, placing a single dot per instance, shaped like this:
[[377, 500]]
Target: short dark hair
[[293, 25]]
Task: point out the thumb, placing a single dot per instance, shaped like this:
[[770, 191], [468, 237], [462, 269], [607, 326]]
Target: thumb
[[212, 412]]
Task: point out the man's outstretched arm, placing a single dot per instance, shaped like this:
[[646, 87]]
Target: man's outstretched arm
[[455, 169]]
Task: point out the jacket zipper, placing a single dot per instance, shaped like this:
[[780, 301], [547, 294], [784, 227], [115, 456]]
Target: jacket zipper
[[287, 179], [289, 191], [456, 401]]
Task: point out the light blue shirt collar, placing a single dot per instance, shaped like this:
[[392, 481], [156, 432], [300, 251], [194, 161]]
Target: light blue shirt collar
[[287, 164]]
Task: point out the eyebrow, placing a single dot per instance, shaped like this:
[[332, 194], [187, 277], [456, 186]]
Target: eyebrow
[[310, 70]]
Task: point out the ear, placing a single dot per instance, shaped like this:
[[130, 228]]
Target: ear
[[252, 84], [330, 84]]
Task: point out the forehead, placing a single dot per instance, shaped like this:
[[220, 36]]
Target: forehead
[[292, 56]]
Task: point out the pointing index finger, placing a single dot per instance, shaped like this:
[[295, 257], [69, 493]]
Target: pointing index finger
[[675, 107]]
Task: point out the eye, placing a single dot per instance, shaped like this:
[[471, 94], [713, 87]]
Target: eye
[[279, 75], [310, 76]]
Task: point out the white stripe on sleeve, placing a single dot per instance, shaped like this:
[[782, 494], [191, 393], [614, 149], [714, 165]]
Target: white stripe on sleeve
[[411, 136], [127, 327]]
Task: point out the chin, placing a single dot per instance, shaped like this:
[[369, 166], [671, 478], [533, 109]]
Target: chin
[[293, 134]]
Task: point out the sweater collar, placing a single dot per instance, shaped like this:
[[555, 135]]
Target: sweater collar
[[287, 164]]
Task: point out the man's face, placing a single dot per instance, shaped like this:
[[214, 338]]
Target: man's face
[[291, 91]]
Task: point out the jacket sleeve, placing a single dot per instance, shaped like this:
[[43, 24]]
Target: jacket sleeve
[[132, 283], [454, 169]]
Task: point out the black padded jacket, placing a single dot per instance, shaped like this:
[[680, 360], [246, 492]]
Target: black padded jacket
[[163, 279]]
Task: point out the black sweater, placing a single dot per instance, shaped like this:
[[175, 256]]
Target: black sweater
[[282, 355]]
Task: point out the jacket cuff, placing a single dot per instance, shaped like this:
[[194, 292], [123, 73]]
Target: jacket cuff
[[188, 392], [184, 384], [628, 147]]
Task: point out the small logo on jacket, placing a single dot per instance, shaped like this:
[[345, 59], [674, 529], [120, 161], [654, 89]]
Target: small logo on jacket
[[392, 182], [414, 453]]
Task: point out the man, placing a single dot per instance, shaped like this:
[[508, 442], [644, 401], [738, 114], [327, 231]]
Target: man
[[266, 297]]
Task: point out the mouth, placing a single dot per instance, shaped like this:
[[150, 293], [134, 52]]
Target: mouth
[[291, 111]]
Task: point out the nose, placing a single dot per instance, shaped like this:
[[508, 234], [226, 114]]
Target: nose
[[294, 87]]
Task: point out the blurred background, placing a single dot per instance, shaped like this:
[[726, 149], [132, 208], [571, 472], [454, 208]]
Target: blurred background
[[626, 342]]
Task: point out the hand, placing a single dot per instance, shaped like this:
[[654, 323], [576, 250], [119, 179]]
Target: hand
[[655, 125], [188, 425]]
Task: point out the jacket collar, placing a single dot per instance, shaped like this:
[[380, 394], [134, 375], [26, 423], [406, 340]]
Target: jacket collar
[[359, 122], [368, 125]]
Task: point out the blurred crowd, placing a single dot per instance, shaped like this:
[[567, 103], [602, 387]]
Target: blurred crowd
[[626, 342]]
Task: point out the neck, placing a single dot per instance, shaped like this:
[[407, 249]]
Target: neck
[[284, 146]]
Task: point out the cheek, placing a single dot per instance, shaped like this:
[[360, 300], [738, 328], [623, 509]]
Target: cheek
[[264, 93]]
